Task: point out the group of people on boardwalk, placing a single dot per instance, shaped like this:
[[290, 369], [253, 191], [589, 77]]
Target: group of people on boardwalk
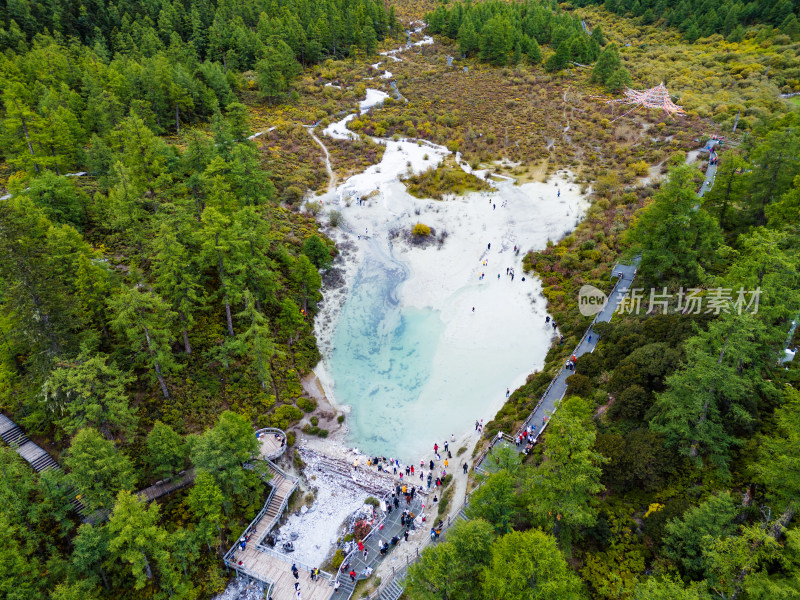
[[570, 366], [431, 472], [527, 437], [314, 573]]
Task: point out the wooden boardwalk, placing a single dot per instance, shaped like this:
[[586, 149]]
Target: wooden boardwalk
[[34, 455], [271, 566], [40, 460], [167, 486]]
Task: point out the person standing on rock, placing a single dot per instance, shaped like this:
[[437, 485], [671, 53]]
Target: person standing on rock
[[435, 448], [431, 465], [295, 572], [466, 468]]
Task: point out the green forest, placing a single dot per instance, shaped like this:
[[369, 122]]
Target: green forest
[[157, 301], [697, 19], [505, 33]]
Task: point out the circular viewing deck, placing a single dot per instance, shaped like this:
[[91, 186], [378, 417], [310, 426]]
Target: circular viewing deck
[[272, 442]]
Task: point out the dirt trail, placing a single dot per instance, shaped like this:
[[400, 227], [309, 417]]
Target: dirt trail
[[331, 174]]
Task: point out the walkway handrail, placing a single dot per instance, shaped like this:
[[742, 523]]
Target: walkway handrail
[[297, 563], [277, 516], [285, 475], [274, 431], [271, 430], [252, 574], [428, 541], [375, 527], [229, 554], [263, 510]]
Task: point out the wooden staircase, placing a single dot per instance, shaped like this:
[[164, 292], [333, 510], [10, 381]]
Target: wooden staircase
[[269, 565], [35, 456], [283, 487]]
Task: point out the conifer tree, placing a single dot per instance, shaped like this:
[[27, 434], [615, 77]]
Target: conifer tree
[[97, 469], [560, 59], [561, 487], [607, 63], [91, 393], [144, 319], [166, 451]]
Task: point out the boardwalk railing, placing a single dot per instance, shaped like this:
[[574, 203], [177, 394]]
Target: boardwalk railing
[[375, 527], [300, 565], [258, 577], [401, 573], [228, 558], [167, 486], [275, 432], [38, 458]]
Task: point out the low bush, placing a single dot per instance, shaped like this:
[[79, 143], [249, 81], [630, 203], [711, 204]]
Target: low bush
[[306, 405], [421, 230]]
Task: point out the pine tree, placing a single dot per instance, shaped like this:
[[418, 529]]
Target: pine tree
[[468, 39], [561, 487], [560, 59], [607, 63], [618, 81], [91, 393], [224, 251], [177, 276], [276, 71], [496, 40], [136, 539], [257, 340], [205, 501], [528, 566], [677, 240], [97, 469], [532, 50], [597, 36], [166, 451], [223, 449], [145, 320]]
